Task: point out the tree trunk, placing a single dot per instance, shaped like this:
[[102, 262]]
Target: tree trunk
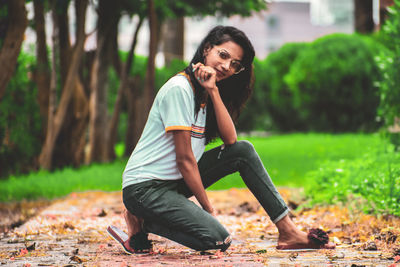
[[113, 127], [17, 22], [149, 90], [363, 16], [72, 136], [42, 72], [107, 24], [174, 38], [136, 116], [55, 121], [65, 42]]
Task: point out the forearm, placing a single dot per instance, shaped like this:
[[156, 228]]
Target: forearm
[[190, 172], [226, 126]]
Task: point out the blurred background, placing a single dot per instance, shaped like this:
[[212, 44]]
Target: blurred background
[[77, 79]]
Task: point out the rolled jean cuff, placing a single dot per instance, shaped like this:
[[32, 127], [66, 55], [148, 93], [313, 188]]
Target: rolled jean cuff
[[283, 214]]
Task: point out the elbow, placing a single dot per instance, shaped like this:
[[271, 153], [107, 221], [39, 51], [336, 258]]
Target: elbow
[[230, 141]]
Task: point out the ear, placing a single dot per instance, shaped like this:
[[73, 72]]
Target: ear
[[207, 49]]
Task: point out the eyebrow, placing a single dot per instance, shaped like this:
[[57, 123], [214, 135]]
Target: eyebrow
[[231, 55]]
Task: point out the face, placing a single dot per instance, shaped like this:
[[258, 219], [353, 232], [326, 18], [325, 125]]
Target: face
[[225, 59]]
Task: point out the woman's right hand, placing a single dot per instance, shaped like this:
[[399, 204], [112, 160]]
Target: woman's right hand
[[211, 210], [206, 76]]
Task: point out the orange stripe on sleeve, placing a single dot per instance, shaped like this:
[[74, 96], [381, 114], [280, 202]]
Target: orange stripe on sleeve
[[172, 128]]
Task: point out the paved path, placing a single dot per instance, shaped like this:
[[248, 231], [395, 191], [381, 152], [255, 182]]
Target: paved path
[[71, 232]]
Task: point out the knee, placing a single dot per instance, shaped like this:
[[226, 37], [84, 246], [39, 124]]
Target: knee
[[244, 148], [218, 243], [226, 243]]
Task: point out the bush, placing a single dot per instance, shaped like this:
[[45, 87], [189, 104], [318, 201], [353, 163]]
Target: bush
[[255, 116], [19, 115], [279, 99], [333, 84], [389, 86], [374, 178]]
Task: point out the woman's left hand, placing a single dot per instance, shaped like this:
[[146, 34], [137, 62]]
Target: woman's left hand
[[206, 76]]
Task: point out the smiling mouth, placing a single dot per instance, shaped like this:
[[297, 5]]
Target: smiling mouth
[[220, 73]]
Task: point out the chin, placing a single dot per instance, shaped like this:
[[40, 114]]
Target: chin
[[220, 78]]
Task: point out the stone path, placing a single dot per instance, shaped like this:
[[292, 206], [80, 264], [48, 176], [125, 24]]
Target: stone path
[[71, 232]]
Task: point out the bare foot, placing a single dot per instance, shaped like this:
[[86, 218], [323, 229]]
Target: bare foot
[[290, 237], [301, 241]]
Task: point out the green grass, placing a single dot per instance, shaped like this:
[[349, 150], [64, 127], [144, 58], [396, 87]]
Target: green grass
[[286, 157]]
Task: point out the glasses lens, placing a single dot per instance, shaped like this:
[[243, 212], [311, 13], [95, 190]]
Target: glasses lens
[[223, 54], [236, 66]]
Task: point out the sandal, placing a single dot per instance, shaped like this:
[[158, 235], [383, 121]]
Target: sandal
[[138, 243]]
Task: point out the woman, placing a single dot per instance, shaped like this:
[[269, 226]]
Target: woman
[[169, 164]]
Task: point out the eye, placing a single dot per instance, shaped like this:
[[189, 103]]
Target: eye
[[236, 66], [224, 54]]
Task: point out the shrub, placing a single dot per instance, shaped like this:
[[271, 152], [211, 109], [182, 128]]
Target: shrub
[[19, 115], [255, 116], [374, 177], [389, 85], [333, 84], [279, 99]]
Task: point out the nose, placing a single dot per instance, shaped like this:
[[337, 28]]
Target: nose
[[226, 65]]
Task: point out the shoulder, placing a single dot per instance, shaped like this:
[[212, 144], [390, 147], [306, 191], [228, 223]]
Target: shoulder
[[178, 84]]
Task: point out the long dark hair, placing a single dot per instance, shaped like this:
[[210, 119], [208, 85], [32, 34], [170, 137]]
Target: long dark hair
[[235, 90]]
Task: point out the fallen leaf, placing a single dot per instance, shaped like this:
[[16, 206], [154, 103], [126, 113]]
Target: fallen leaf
[[23, 252], [293, 256], [31, 247], [103, 213], [76, 259], [397, 259]]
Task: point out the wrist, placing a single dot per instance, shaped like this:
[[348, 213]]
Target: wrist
[[213, 92]]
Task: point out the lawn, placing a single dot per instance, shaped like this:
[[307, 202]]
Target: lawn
[[286, 157]]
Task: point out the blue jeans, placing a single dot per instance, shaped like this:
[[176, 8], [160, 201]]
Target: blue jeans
[[167, 212]]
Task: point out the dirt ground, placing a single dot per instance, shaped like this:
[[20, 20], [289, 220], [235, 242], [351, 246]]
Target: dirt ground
[[72, 232]]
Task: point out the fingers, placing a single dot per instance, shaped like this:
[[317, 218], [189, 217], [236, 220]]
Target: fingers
[[202, 73]]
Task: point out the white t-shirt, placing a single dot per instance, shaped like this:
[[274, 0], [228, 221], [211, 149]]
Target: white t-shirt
[[154, 155]]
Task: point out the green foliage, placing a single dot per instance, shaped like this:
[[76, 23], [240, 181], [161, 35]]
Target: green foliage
[[389, 85], [272, 97], [332, 82], [374, 178], [255, 116], [227, 8], [19, 115], [164, 73]]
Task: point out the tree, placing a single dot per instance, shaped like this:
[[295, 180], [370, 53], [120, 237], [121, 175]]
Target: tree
[[12, 31], [107, 26], [42, 72], [57, 115], [173, 40]]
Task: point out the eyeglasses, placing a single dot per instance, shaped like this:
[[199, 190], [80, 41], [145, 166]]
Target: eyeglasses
[[235, 65]]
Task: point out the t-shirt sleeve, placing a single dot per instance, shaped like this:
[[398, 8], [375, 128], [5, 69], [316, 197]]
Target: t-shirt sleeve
[[176, 109]]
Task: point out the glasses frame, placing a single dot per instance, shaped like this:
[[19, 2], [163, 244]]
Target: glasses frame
[[221, 50]]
